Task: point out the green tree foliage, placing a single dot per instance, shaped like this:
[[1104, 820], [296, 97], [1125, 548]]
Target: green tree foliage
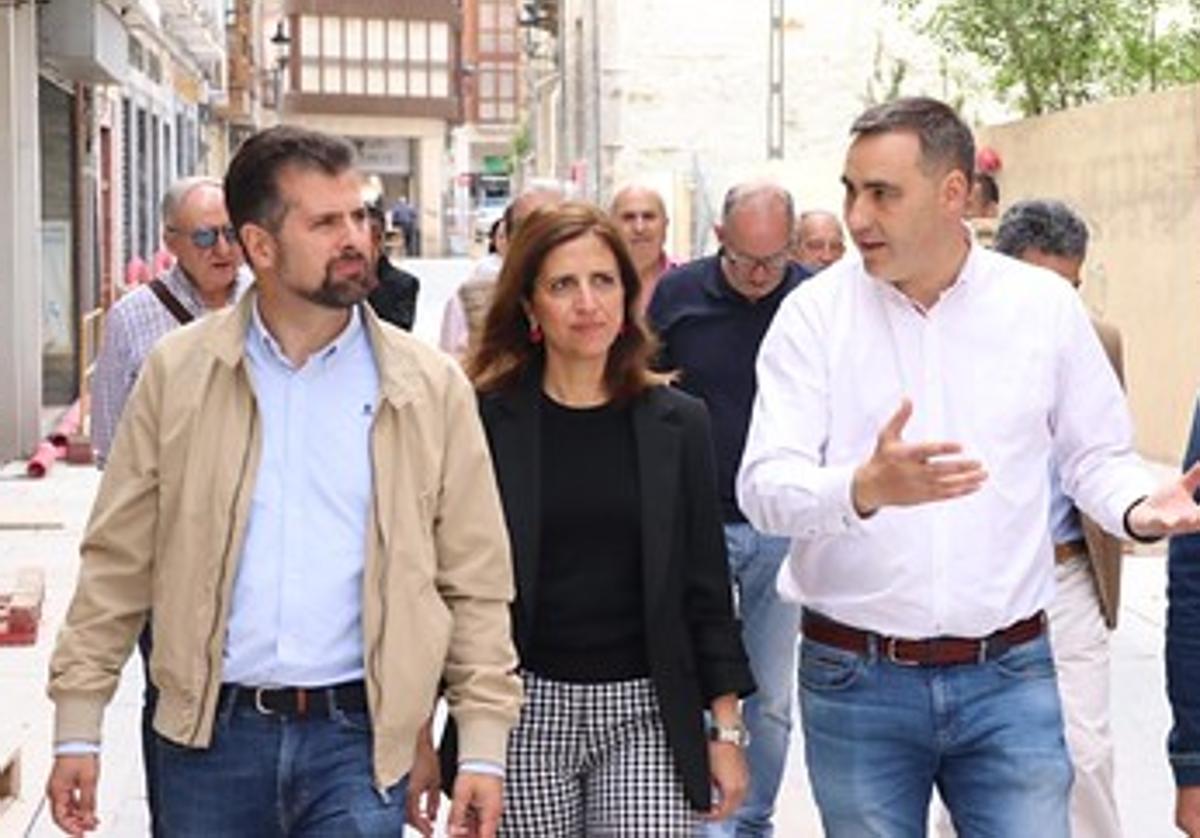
[[521, 146], [1054, 54]]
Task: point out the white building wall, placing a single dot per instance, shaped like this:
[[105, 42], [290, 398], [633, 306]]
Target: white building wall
[[684, 83], [20, 248]]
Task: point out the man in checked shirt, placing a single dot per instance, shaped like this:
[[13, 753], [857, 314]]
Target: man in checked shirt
[[205, 276]]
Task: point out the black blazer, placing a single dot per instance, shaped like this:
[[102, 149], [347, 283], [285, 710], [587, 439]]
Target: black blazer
[[693, 642]]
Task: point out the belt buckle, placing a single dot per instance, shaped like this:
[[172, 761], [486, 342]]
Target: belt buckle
[[258, 702], [982, 657], [889, 651]]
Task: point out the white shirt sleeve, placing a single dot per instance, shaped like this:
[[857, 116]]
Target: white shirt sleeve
[[76, 749], [481, 766], [784, 486], [1092, 427]]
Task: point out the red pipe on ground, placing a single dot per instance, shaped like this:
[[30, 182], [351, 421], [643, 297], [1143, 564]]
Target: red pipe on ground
[[55, 444], [66, 428], [44, 457]]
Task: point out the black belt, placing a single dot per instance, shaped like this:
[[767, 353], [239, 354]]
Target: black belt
[[299, 702], [934, 651]]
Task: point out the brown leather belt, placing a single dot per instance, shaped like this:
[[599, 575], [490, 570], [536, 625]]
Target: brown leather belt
[[934, 651], [1068, 550]]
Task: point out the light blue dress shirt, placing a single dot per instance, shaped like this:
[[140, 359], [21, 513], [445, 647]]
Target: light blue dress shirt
[[296, 613], [1065, 526]]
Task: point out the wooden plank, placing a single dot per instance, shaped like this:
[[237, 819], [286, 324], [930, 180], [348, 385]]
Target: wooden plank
[[21, 598], [10, 778]]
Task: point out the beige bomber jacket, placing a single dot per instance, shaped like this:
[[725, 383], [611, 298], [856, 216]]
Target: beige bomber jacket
[[166, 530]]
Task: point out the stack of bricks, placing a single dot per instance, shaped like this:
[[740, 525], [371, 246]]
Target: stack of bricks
[[10, 775], [21, 607]]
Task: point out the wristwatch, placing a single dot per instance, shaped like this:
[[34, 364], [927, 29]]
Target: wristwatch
[[734, 734]]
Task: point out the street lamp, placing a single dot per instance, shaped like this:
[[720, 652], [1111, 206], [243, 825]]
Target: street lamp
[[281, 44]]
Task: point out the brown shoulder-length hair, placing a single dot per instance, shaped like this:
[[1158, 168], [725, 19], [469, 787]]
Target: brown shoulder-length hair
[[506, 354]]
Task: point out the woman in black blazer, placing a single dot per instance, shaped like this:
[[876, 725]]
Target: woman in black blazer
[[623, 616]]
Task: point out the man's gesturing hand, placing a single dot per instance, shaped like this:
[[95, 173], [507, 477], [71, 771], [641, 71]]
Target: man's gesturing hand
[[906, 474], [1171, 510]]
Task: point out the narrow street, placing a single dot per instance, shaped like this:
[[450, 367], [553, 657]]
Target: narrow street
[[439, 278], [58, 506], [904, 148]]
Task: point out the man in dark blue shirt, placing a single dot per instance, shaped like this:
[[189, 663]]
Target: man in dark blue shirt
[[711, 315]]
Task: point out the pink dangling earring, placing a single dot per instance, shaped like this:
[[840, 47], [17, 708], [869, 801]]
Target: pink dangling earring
[[535, 333]]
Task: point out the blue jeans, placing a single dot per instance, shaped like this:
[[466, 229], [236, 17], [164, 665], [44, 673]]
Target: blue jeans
[[878, 736], [769, 631], [149, 737], [266, 776]]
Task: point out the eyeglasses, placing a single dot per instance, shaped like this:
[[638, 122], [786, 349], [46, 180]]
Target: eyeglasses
[[206, 237], [744, 264]]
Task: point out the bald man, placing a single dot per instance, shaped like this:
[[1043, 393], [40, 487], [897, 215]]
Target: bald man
[[641, 215], [819, 240], [711, 315]]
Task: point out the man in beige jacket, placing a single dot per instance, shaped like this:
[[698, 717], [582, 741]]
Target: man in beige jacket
[[300, 500], [1087, 572]]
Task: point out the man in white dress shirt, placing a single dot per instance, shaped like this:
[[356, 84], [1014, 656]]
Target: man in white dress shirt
[[909, 402]]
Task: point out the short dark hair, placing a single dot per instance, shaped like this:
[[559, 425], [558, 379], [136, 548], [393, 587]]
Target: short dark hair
[[1049, 226], [987, 187], [375, 212], [945, 139], [252, 182], [494, 233], [505, 351]]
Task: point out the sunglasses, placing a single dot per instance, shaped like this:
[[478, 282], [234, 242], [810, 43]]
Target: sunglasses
[[206, 237]]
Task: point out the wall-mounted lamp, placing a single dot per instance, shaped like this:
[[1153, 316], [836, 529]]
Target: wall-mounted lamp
[[282, 44]]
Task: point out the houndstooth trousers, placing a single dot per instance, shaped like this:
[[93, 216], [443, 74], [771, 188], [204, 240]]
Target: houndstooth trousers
[[592, 760]]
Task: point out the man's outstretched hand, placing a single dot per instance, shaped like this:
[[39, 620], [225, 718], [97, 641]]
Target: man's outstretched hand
[[1171, 510]]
